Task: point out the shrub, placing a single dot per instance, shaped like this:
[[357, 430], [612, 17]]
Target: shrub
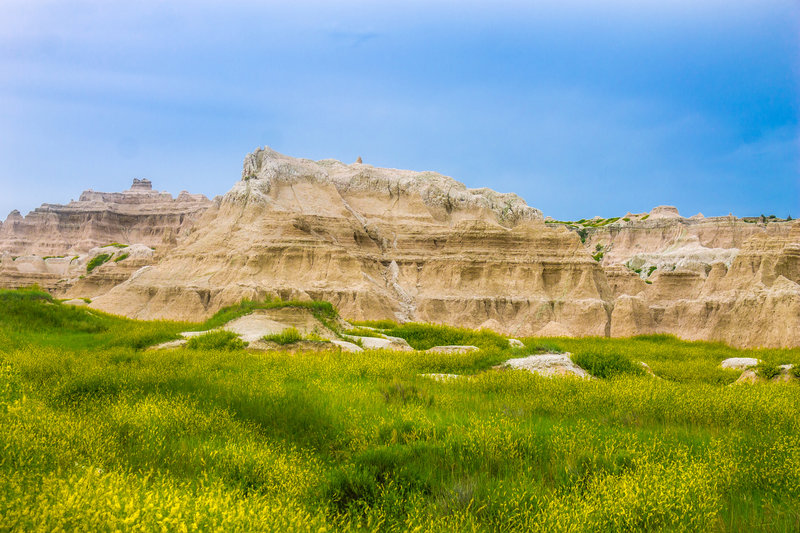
[[121, 258], [651, 270], [96, 261], [606, 365], [216, 340], [767, 370], [287, 336]]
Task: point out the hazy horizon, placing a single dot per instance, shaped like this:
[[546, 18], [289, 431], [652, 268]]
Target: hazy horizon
[[581, 110]]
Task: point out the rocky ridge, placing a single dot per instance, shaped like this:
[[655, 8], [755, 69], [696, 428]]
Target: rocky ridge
[[388, 243], [377, 243], [718, 278], [139, 215], [53, 245]]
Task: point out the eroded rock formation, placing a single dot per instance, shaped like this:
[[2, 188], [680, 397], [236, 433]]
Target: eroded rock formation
[[54, 243], [720, 278], [138, 215], [377, 243], [386, 243]]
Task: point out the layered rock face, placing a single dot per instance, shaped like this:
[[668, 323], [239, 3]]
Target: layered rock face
[[385, 243], [53, 244], [377, 243], [719, 278], [138, 215]]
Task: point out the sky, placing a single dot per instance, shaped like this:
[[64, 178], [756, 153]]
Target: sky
[[582, 108]]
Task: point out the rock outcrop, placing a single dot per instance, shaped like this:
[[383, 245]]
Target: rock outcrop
[[548, 365], [138, 215], [53, 244], [377, 243], [716, 278], [386, 243]]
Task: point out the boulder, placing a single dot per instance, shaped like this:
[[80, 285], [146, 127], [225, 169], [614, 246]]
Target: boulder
[[347, 346], [748, 377], [548, 365], [739, 363], [384, 343]]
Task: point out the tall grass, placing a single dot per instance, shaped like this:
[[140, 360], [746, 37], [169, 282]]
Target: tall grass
[[287, 336], [98, 435], [216, 340]]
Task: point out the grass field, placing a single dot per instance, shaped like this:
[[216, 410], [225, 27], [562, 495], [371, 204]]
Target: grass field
[[100, 435]]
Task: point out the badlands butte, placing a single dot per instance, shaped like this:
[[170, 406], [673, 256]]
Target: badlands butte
[[411, 246]]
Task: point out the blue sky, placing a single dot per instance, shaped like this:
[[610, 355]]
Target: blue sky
[[582, 108]]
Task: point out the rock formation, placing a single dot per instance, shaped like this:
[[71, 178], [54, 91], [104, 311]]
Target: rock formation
[[720, 278], [53, 244], [377, 243], [386, 243], [138, 215]]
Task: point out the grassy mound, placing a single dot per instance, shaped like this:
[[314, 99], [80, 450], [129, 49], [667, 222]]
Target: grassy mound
[[216, 340]]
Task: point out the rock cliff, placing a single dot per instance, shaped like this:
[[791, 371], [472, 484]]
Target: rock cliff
[[53, 245], [378, 243], [719, 278], [388, 243], [138, 215]]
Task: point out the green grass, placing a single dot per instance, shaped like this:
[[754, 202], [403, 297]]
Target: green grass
[[115, 245], [287, 336], [377, 324], [121, 258], [98, 434], [363, 332], [607, 364], [96, 261], [669, 357], [767, 370], [424, 336], [216, 340]]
